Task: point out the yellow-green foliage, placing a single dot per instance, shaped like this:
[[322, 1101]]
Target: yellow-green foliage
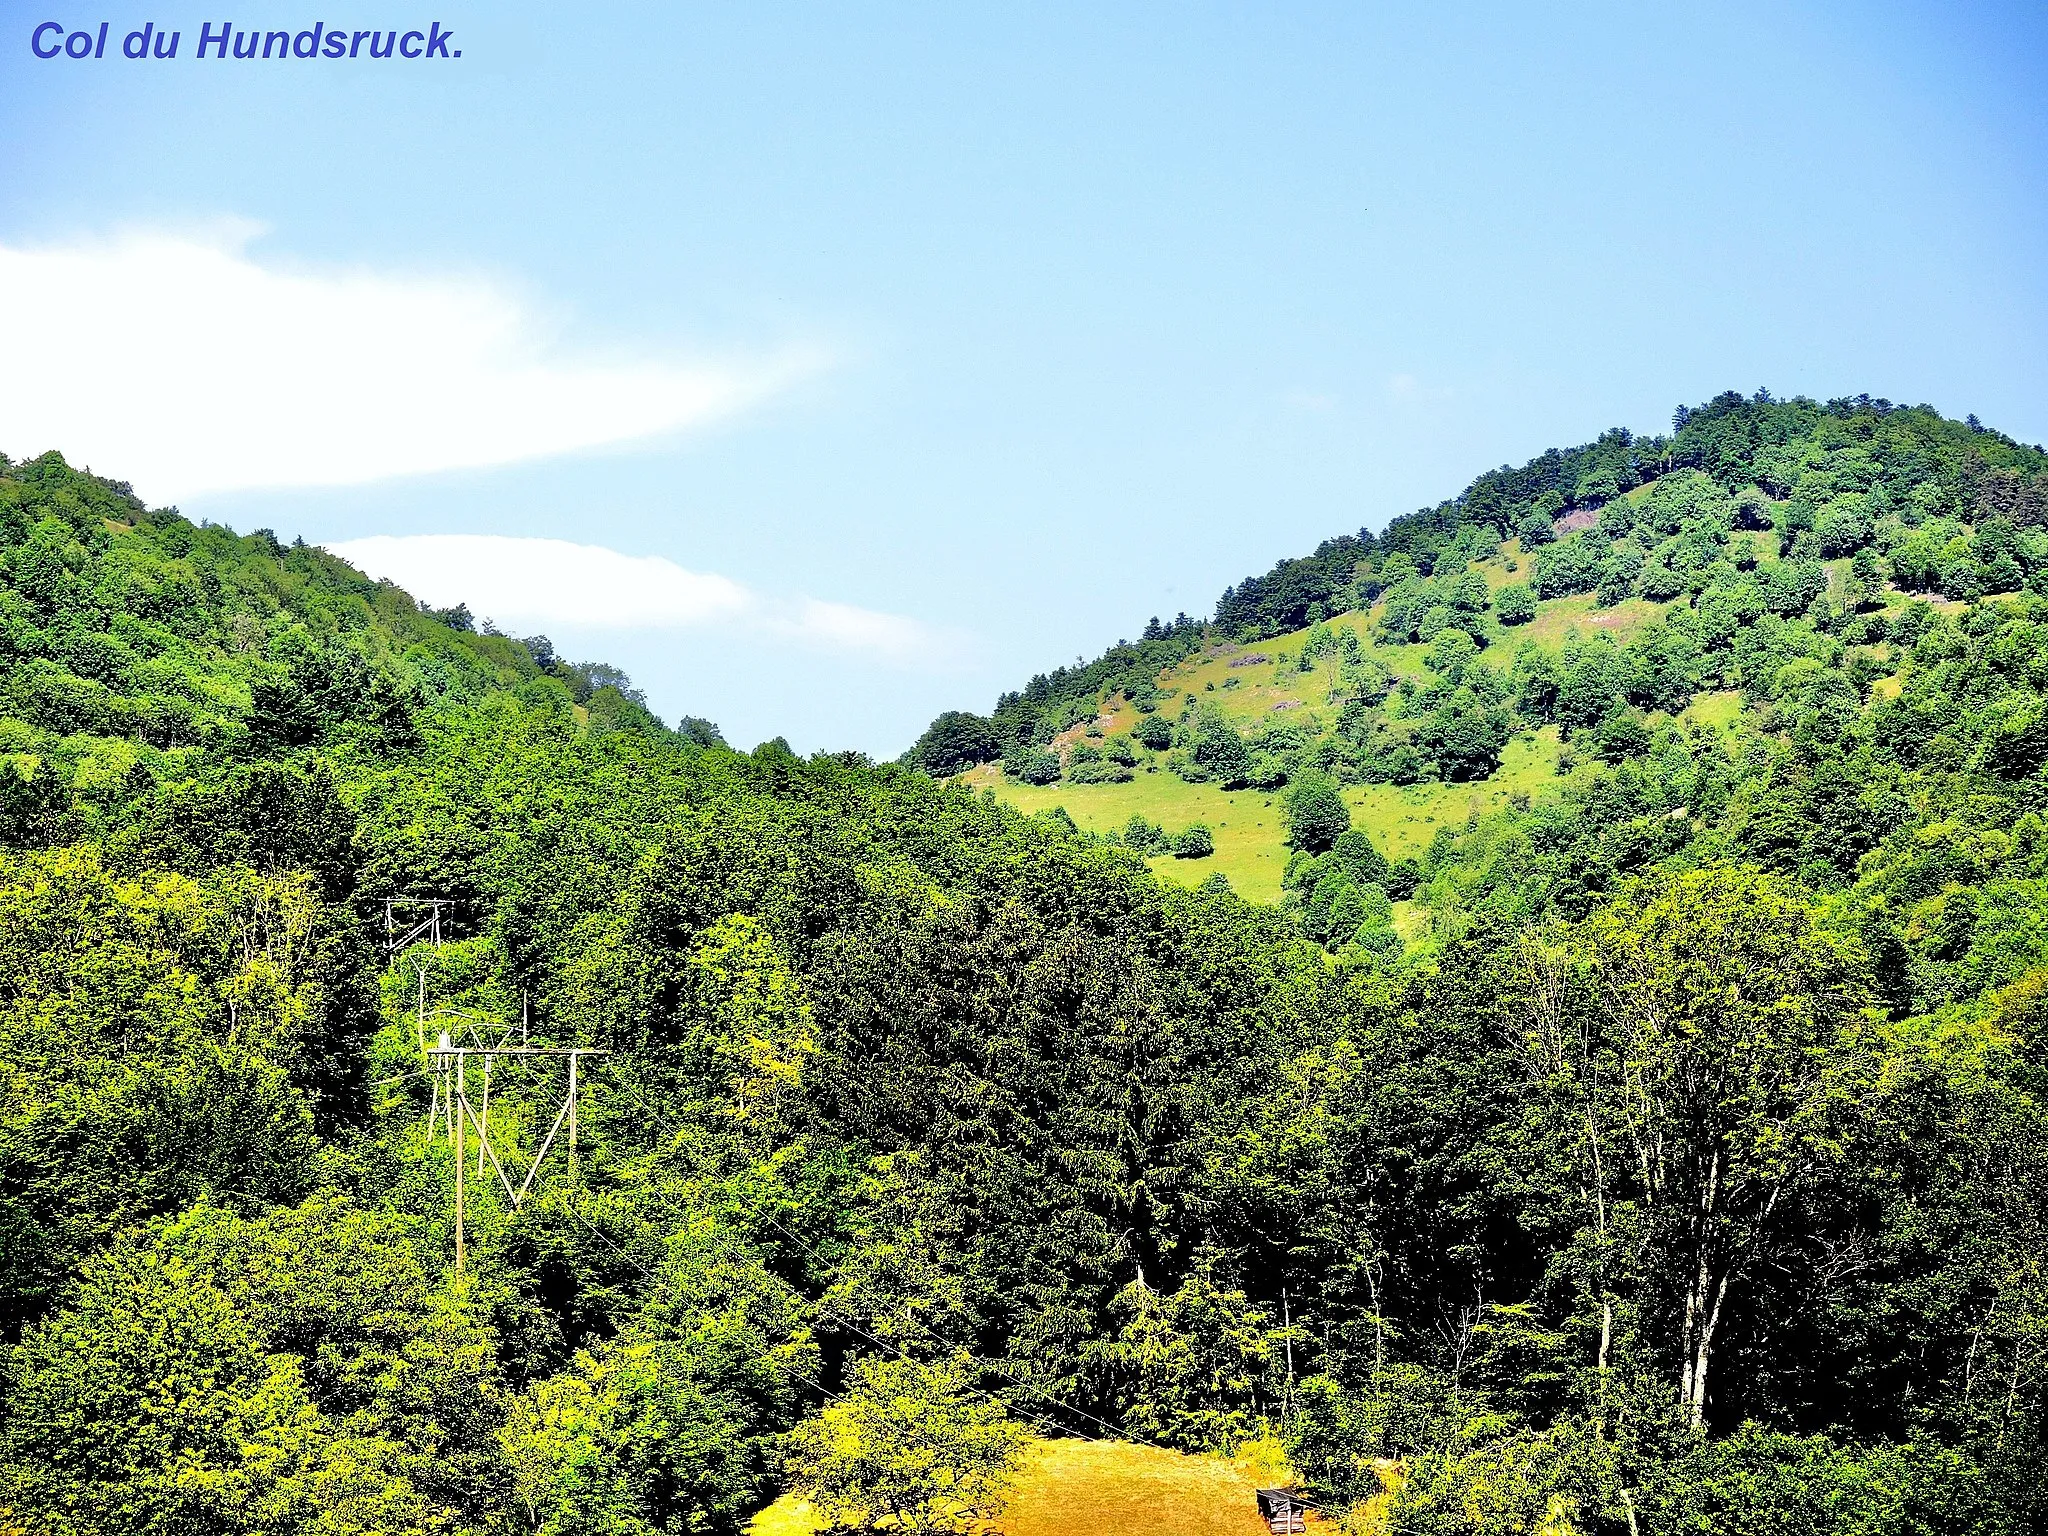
[[909, 1448], [1731, 1026], [171, 1345], [155, 1015]]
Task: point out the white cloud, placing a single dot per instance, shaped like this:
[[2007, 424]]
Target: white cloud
[[859, 629], [182, 365], [543, 581], [527, 584]]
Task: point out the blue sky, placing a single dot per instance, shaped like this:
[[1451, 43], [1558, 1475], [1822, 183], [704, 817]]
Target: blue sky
[[828, 366]]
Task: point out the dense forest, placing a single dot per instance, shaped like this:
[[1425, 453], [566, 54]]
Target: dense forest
[[1692, 1177]]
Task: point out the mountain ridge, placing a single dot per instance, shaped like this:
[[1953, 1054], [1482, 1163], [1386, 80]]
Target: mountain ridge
[[1540, 498]]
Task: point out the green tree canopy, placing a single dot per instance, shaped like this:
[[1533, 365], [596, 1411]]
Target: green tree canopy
[[1316, 813], [954, 742], [910, 1447]]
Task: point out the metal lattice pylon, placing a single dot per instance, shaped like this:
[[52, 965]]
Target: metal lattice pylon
[[449, 1064], [462, 1038]]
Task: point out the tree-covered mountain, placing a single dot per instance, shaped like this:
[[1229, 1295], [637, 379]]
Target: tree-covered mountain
[[1858, 589], [1693, 1175], [1932, 505]]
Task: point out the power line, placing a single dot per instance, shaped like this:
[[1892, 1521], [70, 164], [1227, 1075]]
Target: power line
[[446, 1061], [460, 1034], [451, 1089]]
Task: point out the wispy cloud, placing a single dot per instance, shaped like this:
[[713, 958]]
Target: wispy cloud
[[1406, 386], [547, 581], [527, 584], [841, 626], [181, 363]]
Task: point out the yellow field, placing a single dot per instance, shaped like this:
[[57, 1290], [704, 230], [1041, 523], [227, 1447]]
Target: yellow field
[[1089, 1488]]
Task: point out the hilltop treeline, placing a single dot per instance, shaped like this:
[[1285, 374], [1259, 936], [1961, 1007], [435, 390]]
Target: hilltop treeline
[[1840, 479], [1707, 1191], [1916, 463]]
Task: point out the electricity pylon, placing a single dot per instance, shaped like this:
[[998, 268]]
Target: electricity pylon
[[449, 1062], [462, 1037]]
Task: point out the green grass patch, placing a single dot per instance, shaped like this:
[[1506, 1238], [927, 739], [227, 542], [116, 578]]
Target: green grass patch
[[1250, 835], [1497, 572], [1401, 819], [1248, 826], [1716, 711], [1250, 831], [1761, 543], [1558, 617]]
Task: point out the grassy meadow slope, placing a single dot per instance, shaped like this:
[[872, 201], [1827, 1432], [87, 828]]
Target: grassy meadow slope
[[906, 1109], [1250, 684], [1244, 685], [230, 1295]]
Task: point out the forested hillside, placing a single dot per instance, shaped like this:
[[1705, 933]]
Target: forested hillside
[[1738, 513], [1689, 1173], [1802, 637]]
